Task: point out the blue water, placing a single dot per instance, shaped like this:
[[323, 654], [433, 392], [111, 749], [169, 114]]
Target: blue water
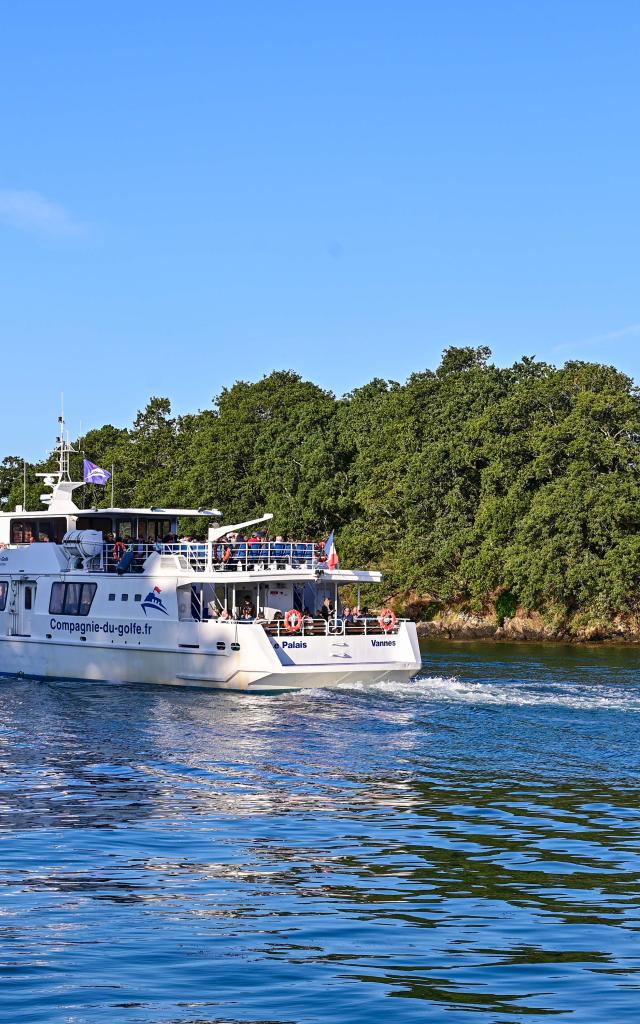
[[461, 848]]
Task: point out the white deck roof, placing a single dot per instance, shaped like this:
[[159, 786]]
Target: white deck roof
[[155, 511]]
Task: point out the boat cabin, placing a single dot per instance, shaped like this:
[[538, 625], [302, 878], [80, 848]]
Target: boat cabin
[[21, 527]]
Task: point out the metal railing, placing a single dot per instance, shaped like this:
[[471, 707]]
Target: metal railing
[[216, 557], [334, 627]]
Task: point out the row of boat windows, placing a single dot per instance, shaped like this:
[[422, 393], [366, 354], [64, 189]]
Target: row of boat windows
[[26, 531], [71, 598], [53, 528], [77, 598], [66, 598]]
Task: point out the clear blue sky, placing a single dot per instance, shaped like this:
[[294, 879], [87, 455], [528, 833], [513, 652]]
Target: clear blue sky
[[195, 193]]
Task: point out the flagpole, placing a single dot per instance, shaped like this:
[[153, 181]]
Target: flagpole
[[112, 480], [24, 485]]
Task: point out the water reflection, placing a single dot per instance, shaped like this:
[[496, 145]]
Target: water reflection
[[466, 850]]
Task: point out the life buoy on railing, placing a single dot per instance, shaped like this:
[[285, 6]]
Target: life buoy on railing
[[119, 549], [293, 621], [387, 619]]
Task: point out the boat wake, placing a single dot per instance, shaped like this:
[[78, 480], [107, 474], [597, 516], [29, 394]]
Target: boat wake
[[438, 689]]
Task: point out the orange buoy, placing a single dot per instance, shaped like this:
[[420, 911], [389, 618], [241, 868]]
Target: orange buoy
[[293, 621], [387, 619]]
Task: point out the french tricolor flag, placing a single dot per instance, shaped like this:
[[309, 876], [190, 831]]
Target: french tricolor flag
[[330, 551]]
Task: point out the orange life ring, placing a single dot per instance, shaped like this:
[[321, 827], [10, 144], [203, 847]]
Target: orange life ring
[[293, 621], [387, 619], [119, 549]]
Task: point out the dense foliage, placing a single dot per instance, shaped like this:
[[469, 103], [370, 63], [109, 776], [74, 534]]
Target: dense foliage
[[472, 484]]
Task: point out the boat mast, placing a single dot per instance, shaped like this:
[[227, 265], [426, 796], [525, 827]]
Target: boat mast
[[61, 484], [64, 448]]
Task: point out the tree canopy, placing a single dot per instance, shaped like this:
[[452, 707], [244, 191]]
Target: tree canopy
[[464, 484]]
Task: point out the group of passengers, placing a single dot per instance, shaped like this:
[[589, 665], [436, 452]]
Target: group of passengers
[[140, 546], [325, 613], [237, 549], [230, 552]]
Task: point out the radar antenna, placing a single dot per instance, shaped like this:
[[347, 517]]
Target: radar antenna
[[61, 484], [65, 449]]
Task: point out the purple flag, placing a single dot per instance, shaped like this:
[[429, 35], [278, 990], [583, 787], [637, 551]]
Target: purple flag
[[94, 475]]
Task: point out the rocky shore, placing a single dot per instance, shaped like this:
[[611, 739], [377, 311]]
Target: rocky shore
[[461, 625]]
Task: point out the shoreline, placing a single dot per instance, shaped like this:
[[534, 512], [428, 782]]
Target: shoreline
[[526, 629]]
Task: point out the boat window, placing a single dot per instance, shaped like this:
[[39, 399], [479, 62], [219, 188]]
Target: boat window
[[56, 601], [137, 597], [112, 597], [86, 598], [124, 597], [235, 647], [153, 529], [71, 598], [27, 531], [221, 645], [124, 528], [28, 598], [4, 587], [100, 523]]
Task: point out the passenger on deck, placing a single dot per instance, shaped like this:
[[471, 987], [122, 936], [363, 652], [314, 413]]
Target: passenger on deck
[[140, 551], [327, 609], [225, 615], [347, 615], [119, 549]]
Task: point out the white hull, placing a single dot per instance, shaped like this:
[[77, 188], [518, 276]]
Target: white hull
[[27, 656]]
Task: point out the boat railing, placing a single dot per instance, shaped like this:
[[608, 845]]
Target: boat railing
[[361, 626], [219, 556]]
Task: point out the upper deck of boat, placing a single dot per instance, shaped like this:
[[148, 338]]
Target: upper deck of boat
[[218, 556], [224, 560]]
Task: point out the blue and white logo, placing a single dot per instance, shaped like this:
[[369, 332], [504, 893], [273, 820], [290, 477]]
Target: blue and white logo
[[153, 601]]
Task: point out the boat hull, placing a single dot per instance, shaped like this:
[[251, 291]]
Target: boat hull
[[31, 657]]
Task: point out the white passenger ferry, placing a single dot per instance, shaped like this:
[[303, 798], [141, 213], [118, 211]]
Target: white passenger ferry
[[231, 613]]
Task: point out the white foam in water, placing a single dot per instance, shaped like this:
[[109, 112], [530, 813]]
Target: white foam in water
[[453, 690]]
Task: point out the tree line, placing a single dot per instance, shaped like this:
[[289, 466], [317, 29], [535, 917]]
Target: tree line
[[471, 486]]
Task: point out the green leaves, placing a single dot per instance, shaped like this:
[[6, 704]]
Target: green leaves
[[466, 484]]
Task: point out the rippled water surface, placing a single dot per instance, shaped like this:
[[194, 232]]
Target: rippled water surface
[[461, 848]]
